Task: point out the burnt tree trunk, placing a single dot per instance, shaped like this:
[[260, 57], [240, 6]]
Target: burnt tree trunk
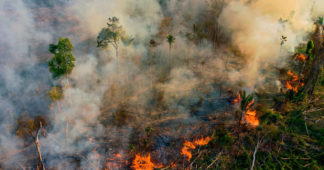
[[318, 62], [38, 150]]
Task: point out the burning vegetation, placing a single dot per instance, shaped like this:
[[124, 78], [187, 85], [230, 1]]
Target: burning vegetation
[[187, 146], [294, 82], [151, 84], [144, 163]]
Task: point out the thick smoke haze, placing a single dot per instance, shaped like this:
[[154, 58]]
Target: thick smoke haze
[[153, 85]]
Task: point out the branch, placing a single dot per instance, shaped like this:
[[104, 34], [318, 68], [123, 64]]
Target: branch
[[255, 151], [306, 123], [217, 157]]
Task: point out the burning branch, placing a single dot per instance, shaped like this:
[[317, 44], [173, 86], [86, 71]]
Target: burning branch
[[192, 145]]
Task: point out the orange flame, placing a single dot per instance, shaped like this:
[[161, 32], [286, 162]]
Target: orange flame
[[237, 99], [250, 116], [116, 162], [294, 83], [192, 145], [144, 163], [300, 57]]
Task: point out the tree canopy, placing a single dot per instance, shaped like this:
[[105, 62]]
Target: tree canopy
[[62, 62], [110, 34]]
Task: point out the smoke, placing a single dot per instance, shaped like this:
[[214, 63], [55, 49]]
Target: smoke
[[234, 44], [256, 31], [23, 79]]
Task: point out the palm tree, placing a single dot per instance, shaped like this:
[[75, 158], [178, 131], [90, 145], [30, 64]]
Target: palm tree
[[170, 39], [246, 103]]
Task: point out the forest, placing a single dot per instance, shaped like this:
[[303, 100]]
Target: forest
[[161, 84]]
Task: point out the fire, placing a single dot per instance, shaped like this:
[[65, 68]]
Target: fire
[[144, 163], [295, 77], [192, 145], [294, 83], [185, 149], [250, 116], [290, 87], [115, 162], [237, 99], [300, 57]]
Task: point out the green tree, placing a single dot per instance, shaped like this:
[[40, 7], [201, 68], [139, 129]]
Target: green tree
[[310, 47], [246, 103], [170, 40], [62, 62], [320, 20], [112, 34]]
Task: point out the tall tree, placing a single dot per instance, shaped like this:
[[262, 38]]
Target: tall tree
[[315, 48], [112, 34], [30, 128], [62, 62], [170, 40]]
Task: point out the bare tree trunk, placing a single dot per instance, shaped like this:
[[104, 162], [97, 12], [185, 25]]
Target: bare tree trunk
[[169, 59], [306, 123], [117, 58], [66, 131], [254, 153], [242, 117], [38, 150]]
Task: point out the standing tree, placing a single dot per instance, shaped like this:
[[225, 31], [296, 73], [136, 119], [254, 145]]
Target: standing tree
[[30, 128], [170, 40], [246, 103], [112, 34], [62, 63]]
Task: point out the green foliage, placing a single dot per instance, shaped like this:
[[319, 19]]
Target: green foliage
[[170, 39], [131, 146], [223, 138], [110, 34], [310, 47], [56, 93], [246, 100], [320, 20], [62, 62], [242, 160], [148, 129], [295, 97], [270, 117]]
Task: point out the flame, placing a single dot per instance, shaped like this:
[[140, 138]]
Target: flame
[[115, 162], [144, 163], [300, 57], [192, 145], [185, 149], [294, 83], [295, 77], [250, 116], [237, 99], [290, 87]]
